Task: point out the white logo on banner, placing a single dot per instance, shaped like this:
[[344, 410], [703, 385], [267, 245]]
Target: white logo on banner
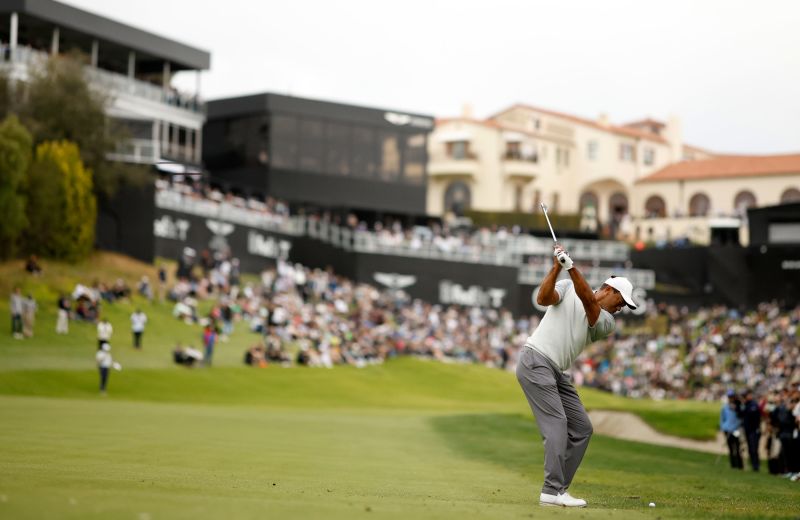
[[395, 280], [258, 244], [407, 120], [474, 295], [220, 230], [165, 227], [788, 265]]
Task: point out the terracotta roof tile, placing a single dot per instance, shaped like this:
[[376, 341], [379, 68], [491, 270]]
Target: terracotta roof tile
[[619, 130], [727, 166]]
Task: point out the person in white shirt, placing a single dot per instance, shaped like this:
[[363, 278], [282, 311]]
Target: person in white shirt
[[104, 331], [104, 364], [138, 321], [576, 317]]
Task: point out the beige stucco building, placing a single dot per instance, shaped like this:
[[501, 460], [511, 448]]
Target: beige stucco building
[[632, 173], [526, 155], [688, 198]]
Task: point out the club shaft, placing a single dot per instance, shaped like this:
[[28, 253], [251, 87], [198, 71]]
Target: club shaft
[[544, 209]]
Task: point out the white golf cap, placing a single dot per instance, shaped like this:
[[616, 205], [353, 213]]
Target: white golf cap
[[625, 288]]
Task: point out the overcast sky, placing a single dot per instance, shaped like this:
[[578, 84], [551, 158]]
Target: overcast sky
[[729, 69]]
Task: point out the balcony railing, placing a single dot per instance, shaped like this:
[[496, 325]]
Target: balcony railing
[[512, 155], [116, 83], [142, 151]]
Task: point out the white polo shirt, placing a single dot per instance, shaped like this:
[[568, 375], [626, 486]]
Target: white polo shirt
[[564, 330]]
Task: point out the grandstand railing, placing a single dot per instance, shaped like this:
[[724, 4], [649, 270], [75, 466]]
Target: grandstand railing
[[603, 250], [368, 242], [508, 251], [644, 278], [172, 200]]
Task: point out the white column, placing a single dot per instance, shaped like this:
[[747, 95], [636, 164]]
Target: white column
[[164, 138], [156, 137], [175, 143], [131, 64], [14, 30], [191, 142], [198, 76], [95, 52], [198, 145], [166, 76], [54, 41]]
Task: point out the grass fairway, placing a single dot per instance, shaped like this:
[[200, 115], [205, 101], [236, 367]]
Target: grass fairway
[[409, 439], [291, 443]]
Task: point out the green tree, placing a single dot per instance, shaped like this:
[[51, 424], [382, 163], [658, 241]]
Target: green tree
[[62, 209], [61, 105], [15, 158]]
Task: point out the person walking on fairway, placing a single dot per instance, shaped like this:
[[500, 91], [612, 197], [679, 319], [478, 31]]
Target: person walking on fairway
[[138, 321], [104, 364], [576, 317], [104, 332], [209, 338]]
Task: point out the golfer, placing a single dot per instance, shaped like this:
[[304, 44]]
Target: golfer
[[575, 318]]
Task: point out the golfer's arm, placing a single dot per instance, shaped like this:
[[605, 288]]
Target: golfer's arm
[[586, 296], [547, 291]]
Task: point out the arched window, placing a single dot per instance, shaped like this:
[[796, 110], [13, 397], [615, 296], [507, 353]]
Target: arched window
[[655, 207], [699, 205], [743, 200], [588, 199], [457, 198], [618, 204], [790, 195]]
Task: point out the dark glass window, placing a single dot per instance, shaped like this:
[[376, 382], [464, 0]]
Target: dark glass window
[[364, 156], [390, 155], [312, 145], [284, 135], [339, 141], [414, 159]]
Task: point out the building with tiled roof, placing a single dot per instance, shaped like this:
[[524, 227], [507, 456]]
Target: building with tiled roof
[[685, 198], [525, 155], [642, 180]]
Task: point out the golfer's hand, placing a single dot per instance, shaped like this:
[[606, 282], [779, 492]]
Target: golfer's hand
[[562, 257]]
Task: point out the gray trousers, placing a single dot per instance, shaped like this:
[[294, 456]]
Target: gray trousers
[[560, 415]]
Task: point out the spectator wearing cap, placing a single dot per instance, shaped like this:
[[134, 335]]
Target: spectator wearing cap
[[729, 423]]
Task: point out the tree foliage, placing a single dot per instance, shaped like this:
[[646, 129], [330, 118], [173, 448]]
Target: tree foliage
[[15, 158], [60, 105], [62, 209]]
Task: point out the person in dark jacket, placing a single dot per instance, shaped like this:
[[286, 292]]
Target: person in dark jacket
[[751, 421]]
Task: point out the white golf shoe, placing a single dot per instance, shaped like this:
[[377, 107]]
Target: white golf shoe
[[549, 500], [568, 500], [562, 500]]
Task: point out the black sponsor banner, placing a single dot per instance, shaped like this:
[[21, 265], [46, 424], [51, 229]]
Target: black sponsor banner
[[124, 220], [315, 253], [439, 281], [255, 248], [775, 274]]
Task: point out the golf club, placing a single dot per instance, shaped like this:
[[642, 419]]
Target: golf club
[[544, 209]]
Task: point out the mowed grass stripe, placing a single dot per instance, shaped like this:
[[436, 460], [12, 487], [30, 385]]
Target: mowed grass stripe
[[93, 458]]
